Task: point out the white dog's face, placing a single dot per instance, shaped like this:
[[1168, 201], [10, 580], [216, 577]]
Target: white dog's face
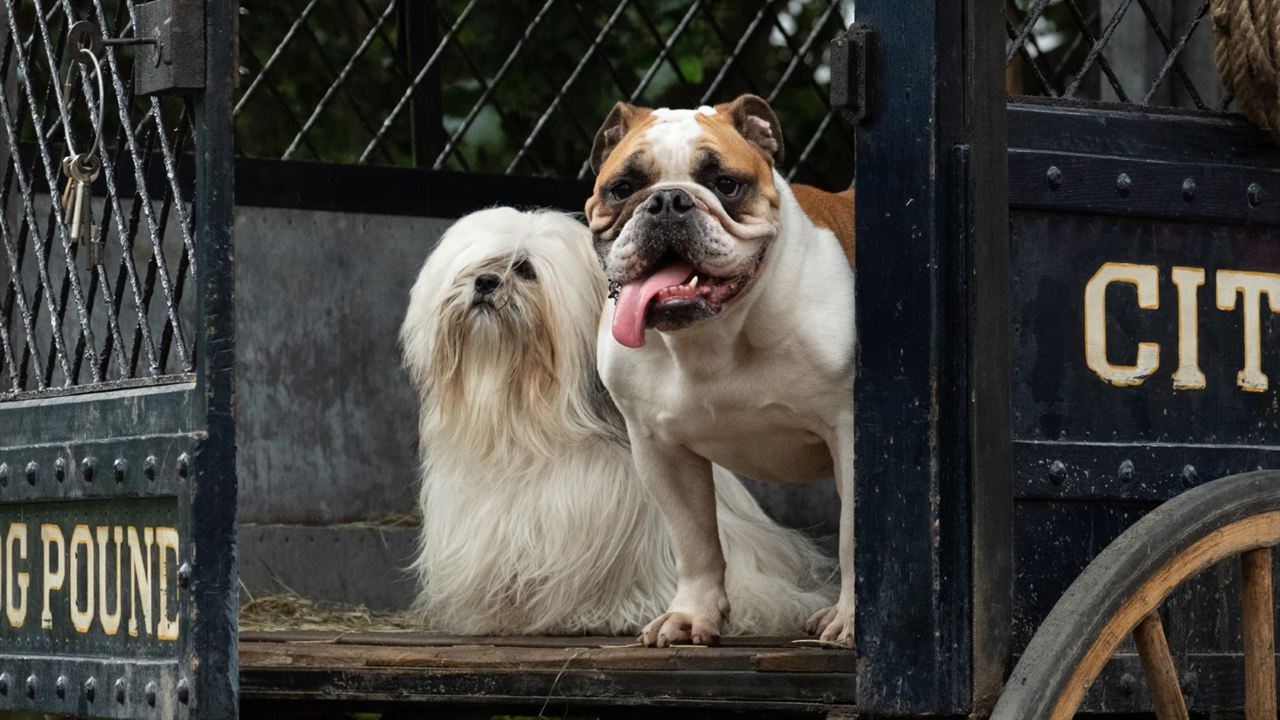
[[502, 319], [684, 209]]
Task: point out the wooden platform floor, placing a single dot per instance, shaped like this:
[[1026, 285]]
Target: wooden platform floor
[[288, 674]]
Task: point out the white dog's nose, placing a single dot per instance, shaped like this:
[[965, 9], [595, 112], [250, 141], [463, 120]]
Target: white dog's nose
[[487, 283]]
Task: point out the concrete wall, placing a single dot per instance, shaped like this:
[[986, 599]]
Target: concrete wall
[[326, 418]]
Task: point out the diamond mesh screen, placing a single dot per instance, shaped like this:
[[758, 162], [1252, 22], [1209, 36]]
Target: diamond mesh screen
[[1137, 52]]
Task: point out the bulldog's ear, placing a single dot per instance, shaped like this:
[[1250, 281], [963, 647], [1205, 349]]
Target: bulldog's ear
[[756, 122], [621, 119]]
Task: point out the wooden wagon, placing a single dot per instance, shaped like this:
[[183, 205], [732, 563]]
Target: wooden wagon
[[1068, 319]]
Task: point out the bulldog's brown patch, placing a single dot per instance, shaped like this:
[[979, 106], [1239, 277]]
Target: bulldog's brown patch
[[739, 157], [620, 144], [833, 211]]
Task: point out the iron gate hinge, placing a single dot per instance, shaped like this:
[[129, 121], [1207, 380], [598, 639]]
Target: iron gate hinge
[[849, 52], [175, 62]]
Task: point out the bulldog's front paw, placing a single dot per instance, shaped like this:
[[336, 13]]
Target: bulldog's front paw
[[675, 627], [833, 624]]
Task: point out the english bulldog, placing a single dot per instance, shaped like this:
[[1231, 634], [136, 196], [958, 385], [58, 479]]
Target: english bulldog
[[731, 338]]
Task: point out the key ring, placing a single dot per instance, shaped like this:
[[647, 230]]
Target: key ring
[[97, 106], [87, 40]]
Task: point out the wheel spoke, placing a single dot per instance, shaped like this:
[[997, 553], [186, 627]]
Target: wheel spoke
[[1258, 630], [1157, 668]]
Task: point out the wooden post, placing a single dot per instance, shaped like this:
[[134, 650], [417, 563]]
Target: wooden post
[[1258, 632]]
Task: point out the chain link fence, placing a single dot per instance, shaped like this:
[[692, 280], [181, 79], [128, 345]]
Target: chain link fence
[[520, 87], [72, 315]]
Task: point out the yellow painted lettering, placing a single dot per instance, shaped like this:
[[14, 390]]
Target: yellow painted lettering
[[81, 538], [1147, 281], [140, 580], [16, 605], [51, 537], [166, 540], [1252, 285], [1188, 375], [110, 620]]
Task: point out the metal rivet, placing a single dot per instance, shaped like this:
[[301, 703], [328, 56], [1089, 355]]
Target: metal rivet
[[33, 471], [1053, 177], [1188, 189], [4, 683], [151, 693], [31, 687], [1126, 470], [1123, 185], [184, 691], [149, 467], [90, 689], [4, 474], [1057, 472], [120, 690], [1128, 684], [1189, 475], [60, 687], [184, 576], [184, 465], [87, 466], [60, 469], [1255, 195], [120, 466]]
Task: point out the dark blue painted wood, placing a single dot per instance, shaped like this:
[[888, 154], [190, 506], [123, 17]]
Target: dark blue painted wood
[[930, 218], [211, 654], [1091, 458]]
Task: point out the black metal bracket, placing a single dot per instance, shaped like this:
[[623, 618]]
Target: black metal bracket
[[849, 52], [174, 62]]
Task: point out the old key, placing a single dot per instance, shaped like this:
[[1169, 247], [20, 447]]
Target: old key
[[82, 169]]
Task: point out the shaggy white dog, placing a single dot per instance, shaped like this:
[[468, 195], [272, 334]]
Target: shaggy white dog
[[534, 519]]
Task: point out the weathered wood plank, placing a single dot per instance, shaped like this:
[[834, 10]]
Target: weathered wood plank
[[341, 656], [434, 639], [525, 687]]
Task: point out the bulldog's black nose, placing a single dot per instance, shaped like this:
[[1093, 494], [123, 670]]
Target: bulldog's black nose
[[668, 203], [487, 283]]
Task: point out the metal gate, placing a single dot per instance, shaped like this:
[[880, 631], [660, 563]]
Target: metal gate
[[117, 485]]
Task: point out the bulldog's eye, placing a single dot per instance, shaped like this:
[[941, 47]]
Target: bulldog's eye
[[727, 186], [620, 190], [525, 270]]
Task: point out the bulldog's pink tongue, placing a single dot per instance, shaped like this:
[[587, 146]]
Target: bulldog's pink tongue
[[633, 302]]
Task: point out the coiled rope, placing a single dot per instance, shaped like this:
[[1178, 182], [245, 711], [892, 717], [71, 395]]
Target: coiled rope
[[1247, 51]]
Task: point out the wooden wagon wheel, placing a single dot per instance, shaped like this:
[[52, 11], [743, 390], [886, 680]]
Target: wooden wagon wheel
[[1121, 591]]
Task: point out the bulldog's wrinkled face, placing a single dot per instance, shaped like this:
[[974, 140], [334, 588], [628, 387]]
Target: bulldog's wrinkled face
[[684, 209]]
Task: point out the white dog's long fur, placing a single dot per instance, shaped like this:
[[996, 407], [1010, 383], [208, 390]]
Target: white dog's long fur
[[534, 519]]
